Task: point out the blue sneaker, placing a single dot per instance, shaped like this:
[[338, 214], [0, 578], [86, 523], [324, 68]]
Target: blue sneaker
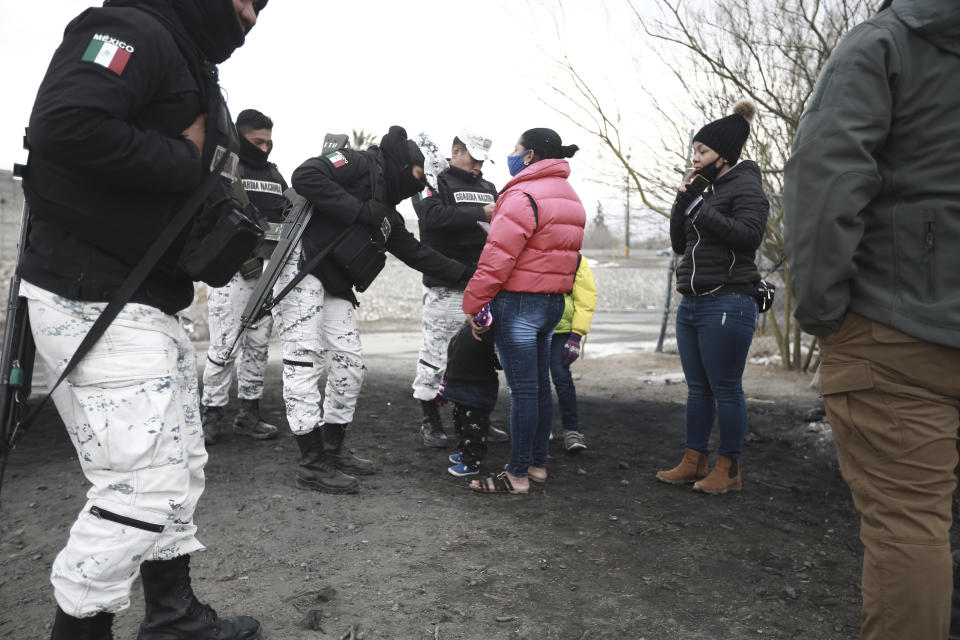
[[460, 470], [454, 458]]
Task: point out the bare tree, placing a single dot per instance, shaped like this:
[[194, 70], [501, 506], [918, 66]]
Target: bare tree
[[770, 51]]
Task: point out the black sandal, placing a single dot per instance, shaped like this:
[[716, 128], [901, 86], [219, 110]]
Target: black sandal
[[499, 483]]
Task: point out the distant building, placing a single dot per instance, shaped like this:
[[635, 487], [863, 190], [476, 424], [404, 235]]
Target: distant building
[[11, 206]]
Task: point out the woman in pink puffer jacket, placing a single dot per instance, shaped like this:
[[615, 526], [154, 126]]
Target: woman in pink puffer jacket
[[527, 265]]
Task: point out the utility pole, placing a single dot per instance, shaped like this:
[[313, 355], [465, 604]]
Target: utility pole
[[626, 183]]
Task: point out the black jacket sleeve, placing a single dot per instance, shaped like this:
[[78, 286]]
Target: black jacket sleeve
[[85, 113], [678, 226], [436, 216], [322, 183], [413, 253]]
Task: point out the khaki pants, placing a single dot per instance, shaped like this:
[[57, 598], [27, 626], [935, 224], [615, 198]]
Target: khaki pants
[[894, 405]]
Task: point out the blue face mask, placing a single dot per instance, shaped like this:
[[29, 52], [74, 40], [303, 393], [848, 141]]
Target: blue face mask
[[515, 163]]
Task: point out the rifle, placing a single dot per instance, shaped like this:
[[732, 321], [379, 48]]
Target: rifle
[[334, 142], [287, 234], [16, 365]]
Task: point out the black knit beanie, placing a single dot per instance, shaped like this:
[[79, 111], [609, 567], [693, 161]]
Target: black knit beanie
[[727, 135]]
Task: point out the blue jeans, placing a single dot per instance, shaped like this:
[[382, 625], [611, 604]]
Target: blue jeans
[[563, 383], [523, 325], [714, 333]]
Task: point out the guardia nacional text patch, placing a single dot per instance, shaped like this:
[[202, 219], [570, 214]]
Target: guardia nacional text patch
[[337, 159], [108, 52]]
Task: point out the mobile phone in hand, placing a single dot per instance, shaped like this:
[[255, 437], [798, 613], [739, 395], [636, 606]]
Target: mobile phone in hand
[[697, 185]]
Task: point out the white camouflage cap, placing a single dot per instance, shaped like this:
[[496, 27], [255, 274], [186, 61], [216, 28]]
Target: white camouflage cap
[[477, 145]]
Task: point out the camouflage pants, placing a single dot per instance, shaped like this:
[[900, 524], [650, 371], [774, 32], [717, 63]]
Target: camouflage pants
[[318, 332], [442, 318], [130, 408], [225, 306]]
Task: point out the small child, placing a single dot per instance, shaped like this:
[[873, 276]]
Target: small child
[[472, 384], [565, 349]]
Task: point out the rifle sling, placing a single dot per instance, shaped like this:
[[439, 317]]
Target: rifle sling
[[308, 266]]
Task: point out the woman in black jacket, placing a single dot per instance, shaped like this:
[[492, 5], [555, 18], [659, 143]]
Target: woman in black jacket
[[717, 224]]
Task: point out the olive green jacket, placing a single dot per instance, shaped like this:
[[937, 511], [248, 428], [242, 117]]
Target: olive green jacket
[[872, 188]]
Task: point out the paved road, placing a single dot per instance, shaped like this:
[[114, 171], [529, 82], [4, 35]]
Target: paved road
[[611, 333], [623, 332]]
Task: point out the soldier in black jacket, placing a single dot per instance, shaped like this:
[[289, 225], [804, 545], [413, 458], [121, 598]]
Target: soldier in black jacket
[[264, 186], [117, 142], [354, 191], [449, 222]]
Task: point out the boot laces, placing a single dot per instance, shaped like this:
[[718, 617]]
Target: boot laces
[[203, 611]]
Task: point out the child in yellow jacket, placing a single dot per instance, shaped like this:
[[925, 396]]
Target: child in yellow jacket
[[565, 349]]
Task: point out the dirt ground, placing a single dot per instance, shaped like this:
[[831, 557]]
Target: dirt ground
[[601, 550]]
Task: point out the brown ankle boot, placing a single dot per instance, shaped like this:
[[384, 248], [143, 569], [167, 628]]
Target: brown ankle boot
[[724, 477], [693, 467]]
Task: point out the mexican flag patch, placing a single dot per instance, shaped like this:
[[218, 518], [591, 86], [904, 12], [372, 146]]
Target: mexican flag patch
[[108, 52], [337, 159]]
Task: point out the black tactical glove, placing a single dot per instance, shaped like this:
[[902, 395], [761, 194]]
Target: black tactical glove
[[372, 213], [375, 216]]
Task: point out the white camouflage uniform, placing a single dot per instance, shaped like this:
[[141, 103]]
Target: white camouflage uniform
[[225, 306], [318, 333], [131, 410], [442, 313], [442, 319]]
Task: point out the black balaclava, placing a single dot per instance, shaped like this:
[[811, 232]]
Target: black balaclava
[[251, 154], [400, 155], [211, 25]]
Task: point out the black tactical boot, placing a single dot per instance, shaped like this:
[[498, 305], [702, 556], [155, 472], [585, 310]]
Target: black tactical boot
[[98, 627], [316, 469], [341, 457], [249, 423], [173, 611], [431, 429], [210, 418]]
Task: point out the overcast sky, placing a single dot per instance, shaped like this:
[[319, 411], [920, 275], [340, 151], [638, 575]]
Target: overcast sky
[[430, 65]]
